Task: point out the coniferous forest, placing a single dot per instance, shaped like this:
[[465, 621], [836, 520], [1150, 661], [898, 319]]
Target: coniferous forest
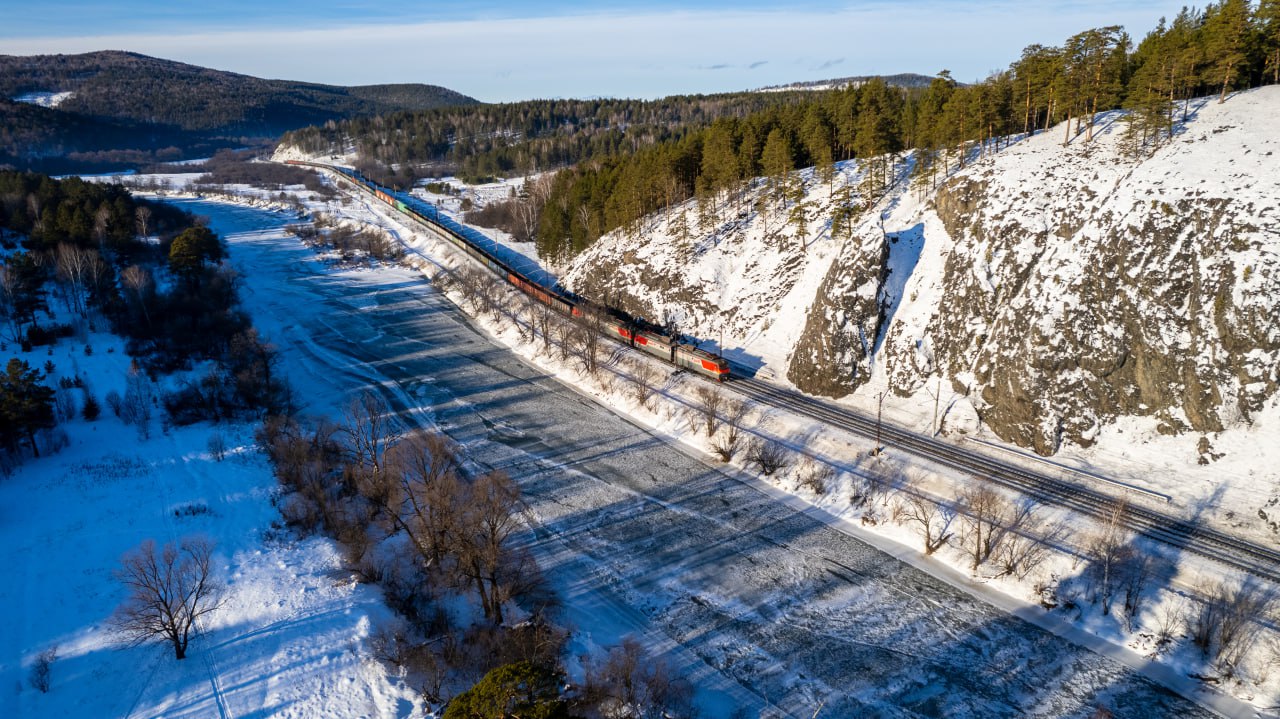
[[629, 158]]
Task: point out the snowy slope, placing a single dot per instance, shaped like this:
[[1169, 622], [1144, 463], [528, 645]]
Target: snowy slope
[[291, 639], [1061, 298]]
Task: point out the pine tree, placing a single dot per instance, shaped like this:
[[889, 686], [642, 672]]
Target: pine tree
[[720, 158], [26, 405], [778, 160], [878, 132], [1268, 21], [819, 138], [1225, 32], [1094, 73]]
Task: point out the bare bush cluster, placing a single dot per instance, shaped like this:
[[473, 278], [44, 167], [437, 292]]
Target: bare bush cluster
[[643, 382], [350, 242], [411, 518], [768, 456], [41, 676], [815, 475], [733, 415], [628, 684], [1223, 623]]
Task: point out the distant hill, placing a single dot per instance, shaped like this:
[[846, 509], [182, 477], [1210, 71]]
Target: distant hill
[[906, 79], [121, 101]]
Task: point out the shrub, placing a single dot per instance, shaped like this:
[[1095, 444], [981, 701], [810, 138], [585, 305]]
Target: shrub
[[217, 446], [38, 336], [42, 670], [91, 408], [114, 402]]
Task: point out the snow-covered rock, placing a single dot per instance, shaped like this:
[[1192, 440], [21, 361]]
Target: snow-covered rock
[[1056, 288]]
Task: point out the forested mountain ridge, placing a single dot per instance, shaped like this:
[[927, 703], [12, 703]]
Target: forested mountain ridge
[[903, 79], [634, 158], [129, 102], [520, 138], [1229, 46]]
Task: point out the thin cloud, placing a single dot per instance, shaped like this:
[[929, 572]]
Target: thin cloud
[[634, 52]]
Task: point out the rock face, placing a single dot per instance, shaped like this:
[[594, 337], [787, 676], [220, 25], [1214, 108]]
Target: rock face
[[1086, 285], [833, 355]]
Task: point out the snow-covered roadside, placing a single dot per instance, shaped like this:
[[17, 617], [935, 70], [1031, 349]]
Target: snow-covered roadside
[[290, 641], [848, 455]]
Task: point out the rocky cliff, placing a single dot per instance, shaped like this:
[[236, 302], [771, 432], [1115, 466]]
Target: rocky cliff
[[1055, 288]]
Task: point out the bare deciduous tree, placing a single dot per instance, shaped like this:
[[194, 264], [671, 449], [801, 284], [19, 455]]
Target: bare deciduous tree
[[1135, 574], [489, 518], [142, 219], [629, 684], [734, 414], [101, 221], [1028, 541], [421, 494], [41, 677], [169, 592], [932, 519], [983, 523], [138, 281], [707, 402], [588, 340], [1222, 622], [1107, 548], [768, 455], [643, 379], [544, 317], [72, 267], [371, 429]]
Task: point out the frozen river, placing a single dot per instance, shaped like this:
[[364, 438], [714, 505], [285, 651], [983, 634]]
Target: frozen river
[[764, 607]]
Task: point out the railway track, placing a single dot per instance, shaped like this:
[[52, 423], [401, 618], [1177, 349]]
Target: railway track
[[1182, 534]]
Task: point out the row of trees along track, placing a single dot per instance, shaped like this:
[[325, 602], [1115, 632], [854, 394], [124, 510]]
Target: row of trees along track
[[1182, 534]]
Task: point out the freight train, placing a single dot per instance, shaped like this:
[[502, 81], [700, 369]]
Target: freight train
[[635, 333]]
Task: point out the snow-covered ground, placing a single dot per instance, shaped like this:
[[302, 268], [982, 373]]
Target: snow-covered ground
[[44, 99], [847, 454], [288, 643]]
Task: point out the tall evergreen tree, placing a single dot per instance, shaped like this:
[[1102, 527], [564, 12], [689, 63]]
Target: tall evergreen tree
[[1226, 33], [878, 131], [778, 160], [1268, 16], [26, 405]]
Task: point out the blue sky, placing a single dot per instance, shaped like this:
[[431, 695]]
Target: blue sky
[[499, 50]]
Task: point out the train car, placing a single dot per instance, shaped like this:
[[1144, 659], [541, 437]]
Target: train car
[[702, 362], [655, 344], [636, 333]]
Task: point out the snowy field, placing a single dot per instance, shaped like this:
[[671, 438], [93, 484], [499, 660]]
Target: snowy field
[[289, 642]]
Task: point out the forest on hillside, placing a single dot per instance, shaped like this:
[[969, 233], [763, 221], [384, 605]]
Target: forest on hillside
[[76, 253], [128, 110], [521, 138], [1228, 46], [629, 158]]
